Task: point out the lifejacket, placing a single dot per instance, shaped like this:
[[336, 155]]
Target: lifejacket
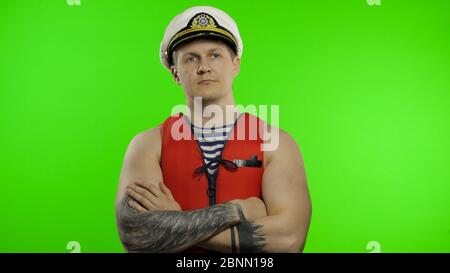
[[240, 170]]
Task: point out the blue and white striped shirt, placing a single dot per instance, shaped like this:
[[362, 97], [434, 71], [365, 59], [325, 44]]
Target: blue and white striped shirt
[[211, 142]]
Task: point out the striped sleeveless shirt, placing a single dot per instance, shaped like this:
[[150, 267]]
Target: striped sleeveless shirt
[[211, 142]]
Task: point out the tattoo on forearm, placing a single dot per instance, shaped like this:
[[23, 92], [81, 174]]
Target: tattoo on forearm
[[172, 231], [251, 237]]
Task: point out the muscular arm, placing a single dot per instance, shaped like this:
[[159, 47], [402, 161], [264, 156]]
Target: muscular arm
[[288, 205], [162, 230], [172, 231], [282, 230]]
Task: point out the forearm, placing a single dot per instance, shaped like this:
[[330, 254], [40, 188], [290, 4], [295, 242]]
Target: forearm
[[266, 234], [245, 236], [172, 231]]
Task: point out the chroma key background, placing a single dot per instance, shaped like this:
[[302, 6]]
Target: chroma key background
[[364, 89]]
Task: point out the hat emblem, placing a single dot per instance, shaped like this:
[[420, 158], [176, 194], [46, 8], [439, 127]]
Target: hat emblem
[[203, 20]]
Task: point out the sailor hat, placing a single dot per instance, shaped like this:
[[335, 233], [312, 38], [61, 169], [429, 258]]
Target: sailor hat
[[197, 23]]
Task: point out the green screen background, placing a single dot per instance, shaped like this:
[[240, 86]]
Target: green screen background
[[363, 89]]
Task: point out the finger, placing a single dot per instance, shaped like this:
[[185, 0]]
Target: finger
[[156, 201], [141, 199], [146, 193], [151, 187], [166, 190], [135, 205]]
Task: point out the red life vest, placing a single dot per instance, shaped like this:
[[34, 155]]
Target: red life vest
[[181, 158]]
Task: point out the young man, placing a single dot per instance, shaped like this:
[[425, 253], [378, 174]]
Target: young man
[[212, 190]]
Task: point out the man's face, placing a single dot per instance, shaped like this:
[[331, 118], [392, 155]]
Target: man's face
[[205, 68]]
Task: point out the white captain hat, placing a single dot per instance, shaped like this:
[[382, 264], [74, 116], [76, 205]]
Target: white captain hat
[[196, 23]]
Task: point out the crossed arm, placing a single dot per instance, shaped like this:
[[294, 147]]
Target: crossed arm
[[158, 230], [150, 220]]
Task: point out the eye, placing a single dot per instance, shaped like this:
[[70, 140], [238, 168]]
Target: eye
[[215, 55], [191, 59]]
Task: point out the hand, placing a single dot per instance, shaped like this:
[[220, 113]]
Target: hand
[[151, 197], [253, 208]]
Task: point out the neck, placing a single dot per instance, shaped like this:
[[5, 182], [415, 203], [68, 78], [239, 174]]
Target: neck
[[208, 113]]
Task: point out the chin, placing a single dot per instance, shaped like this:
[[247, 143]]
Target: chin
[[207, 94]]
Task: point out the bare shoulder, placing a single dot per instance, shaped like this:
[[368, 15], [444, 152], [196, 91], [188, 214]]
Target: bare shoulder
[[284, 187], [144, 150], [281, 146], [286, 140], [142, 160], [148, 141]]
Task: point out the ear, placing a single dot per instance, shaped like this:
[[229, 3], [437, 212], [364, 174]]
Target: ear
[[174, 73], [236, 66]]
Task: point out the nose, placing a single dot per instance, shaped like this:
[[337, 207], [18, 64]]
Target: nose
[[203, 67]]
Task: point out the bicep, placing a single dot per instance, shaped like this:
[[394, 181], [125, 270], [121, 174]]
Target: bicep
[[141, 161], [284, 189]]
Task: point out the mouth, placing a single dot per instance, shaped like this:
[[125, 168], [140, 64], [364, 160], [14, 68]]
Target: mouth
[[206, 81]]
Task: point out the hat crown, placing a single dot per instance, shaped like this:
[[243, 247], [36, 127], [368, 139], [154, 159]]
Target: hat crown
[[196, 20]]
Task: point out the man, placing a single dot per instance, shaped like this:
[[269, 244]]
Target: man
[[210, 191]]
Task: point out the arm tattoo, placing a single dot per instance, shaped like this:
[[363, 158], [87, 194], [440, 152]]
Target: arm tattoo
[[251, 238], [172, 231]]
